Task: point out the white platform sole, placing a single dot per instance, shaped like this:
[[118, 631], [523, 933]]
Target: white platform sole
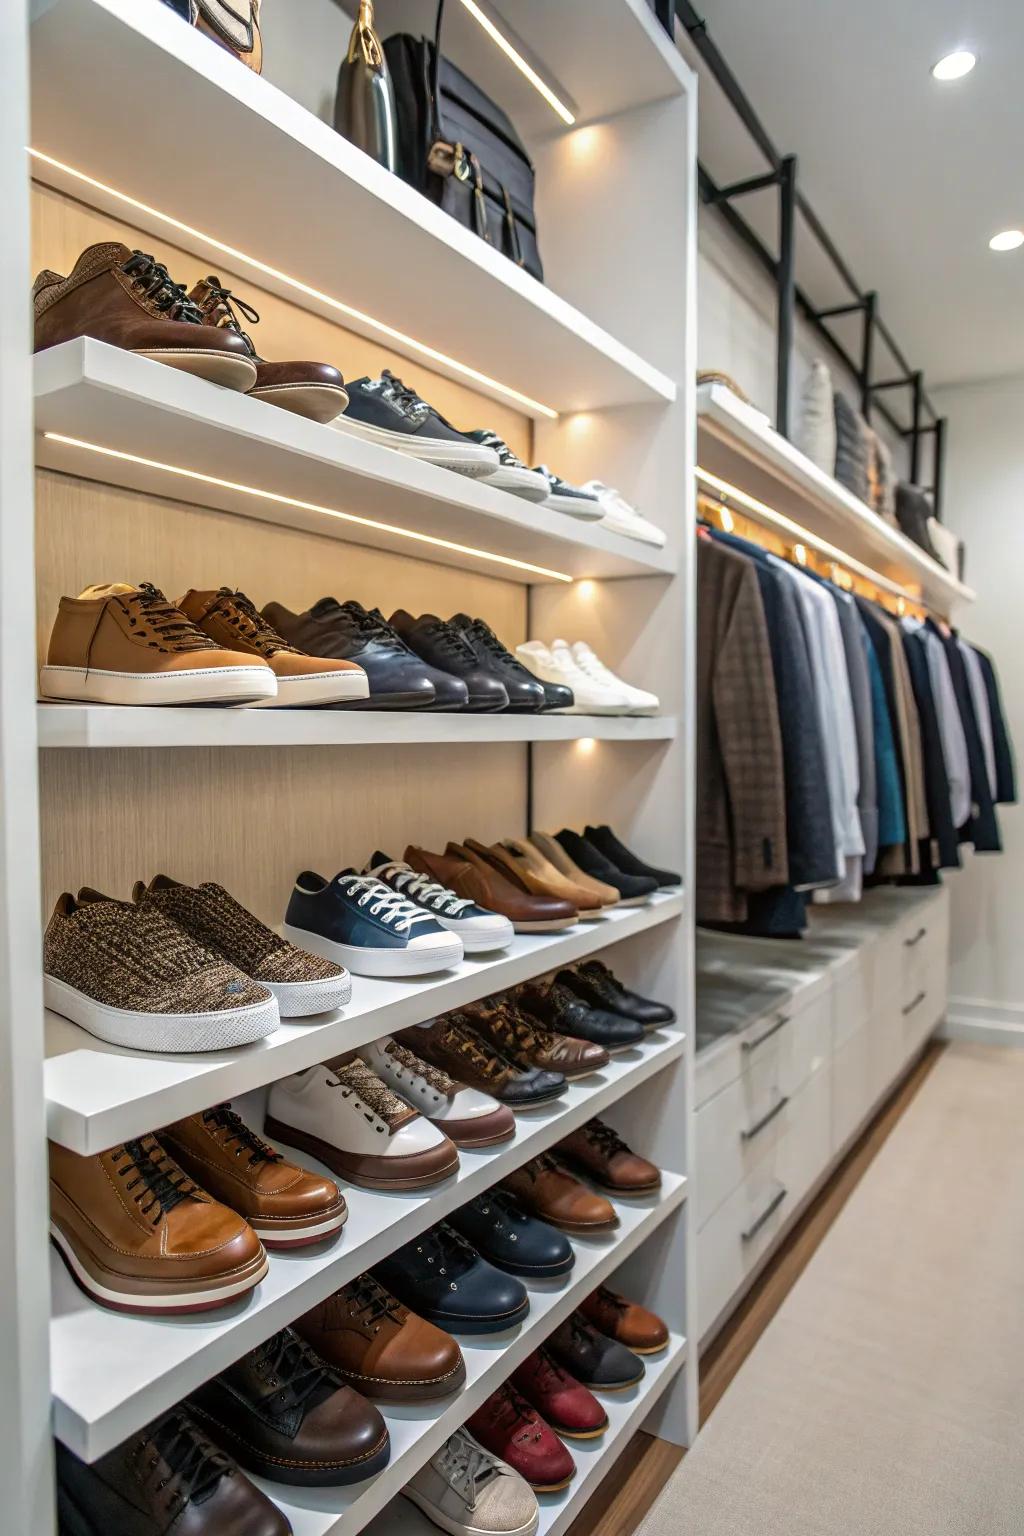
[[316, 688], [471, 459], [215, 1031], [479, 941], [644, 535], [520, 482], [298, 1237], [379, 962], [589, 511], [170, 1301], [299, 999], [197, 685]]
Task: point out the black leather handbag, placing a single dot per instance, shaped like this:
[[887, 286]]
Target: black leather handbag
[[460, 149]]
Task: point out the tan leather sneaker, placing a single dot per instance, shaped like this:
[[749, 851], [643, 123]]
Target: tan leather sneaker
[[231, 620], [120, 644], [556, 855], [286, 1206], [539, 877], [139, 1236], [129, 300]]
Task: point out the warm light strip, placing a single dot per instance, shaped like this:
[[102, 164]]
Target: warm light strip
[[804, 535], [307, 506], [401, 340], [520, 63]]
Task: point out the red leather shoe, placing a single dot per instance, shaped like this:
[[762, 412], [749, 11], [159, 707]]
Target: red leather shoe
[[567, 1405], [509, 1428]]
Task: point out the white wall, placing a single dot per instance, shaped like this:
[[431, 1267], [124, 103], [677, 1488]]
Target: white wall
[[985, 505]]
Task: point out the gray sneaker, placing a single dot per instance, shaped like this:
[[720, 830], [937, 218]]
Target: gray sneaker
[[465, 1490]]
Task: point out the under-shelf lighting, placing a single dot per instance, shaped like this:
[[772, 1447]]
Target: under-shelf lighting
[[955, 65], [401, 340], [307, 506], [1007, 240], [540, 86]]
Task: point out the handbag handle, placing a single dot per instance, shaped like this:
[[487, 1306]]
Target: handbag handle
[[435, 70]]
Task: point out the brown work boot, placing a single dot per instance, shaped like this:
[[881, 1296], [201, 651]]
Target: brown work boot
[[314, 390], [525, 1041], [139, 1236], [127, 299], [543, 1187]]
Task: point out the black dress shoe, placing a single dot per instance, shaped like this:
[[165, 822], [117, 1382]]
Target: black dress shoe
[[605, 841], [526, 693], [633, 889], [398, 678], [446, 1281], [167, 1478], [564, 1012], [504, 1235], [599, 1363], [597, 985], [444, 647], [284, 1414]]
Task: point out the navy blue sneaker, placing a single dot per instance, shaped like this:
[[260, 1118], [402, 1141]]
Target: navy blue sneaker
[[504, 1235], [444, 1279], [387, 412], [478, 928], [377, 931]]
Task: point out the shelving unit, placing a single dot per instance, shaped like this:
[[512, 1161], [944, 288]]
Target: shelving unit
[[198, 485]]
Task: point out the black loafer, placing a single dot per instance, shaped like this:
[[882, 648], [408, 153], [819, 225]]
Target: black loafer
[[633, 889], [445, 1280], [599, 1363], [504, 1235], [443, 646], [559, 1009], [605, 841], [601, 988]]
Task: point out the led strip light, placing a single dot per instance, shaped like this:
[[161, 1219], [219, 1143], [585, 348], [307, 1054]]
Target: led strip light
[[307, 506], [554, 102]]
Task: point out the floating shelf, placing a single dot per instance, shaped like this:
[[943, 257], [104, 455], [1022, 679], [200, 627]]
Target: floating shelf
[[353, 490], [104, 725], [737, 444], [149, 1363], [375, 245], [98, 1095], [594, 1460]]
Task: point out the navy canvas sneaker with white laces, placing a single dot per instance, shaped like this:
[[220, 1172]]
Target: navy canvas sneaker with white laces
[[363, 924], [478, 928], [563, 497], [512, 474], [387, 412]]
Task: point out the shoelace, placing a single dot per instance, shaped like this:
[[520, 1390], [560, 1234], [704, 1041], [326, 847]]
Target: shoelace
[[444, 1247], [450, 642], [219, 295], [610, 1299], [241, 612], [513, 1414], [460, 1035], [367, 1299], [508, 1019], [564, 1005], [503, 1207], [604, 1138], [594, 668], [372, 625], [390, 906], [601, 977], [549, 1374], [232, 1128], [289, 1367], [373, 1096], [173, 631], [545, 1163], [502, 449], [422, 890], [195, 1464], [159, 1177], [402, 394], [465, 1465], [153, 279], [434, 1077]]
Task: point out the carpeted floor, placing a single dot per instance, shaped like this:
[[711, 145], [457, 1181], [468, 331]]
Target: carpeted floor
[[887, 1396]]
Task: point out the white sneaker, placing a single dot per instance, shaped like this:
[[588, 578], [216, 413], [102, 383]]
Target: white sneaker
[[346, 1117], [512, 474], [620, 517], [640, 701], [558, 665], [478, 928], [464, 1115], [466, 1491]]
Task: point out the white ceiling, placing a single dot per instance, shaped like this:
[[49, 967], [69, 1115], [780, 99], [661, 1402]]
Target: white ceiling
[[909, 177]]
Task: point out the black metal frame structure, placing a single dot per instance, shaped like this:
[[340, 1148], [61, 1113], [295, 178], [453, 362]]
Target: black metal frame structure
[[782, 174]]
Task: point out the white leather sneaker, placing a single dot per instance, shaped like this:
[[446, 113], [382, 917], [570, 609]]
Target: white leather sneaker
[[353, 1123], [557, 665], [621, 517], [466, 1491], [640, 701], [466, 1116]]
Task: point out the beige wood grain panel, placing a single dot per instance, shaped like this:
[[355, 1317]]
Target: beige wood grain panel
[[62, 228]]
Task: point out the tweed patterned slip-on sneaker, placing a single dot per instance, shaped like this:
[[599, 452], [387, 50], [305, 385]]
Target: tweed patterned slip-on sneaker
[[302, 983], [130, 976]]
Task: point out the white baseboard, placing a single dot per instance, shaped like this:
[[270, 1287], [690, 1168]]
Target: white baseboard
[[984, 1022]]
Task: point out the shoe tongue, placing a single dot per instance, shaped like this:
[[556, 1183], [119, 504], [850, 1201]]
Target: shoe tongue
[[107, 589], [460, 621], [326, 605], [377, 858]]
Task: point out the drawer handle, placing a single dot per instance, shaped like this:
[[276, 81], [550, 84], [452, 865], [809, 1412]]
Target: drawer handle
[[755, 1130], [766, 1214], [918, 1000], [752, 1045], [918, 936]]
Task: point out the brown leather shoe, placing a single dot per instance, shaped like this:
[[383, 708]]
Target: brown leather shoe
[[127, 299], [502, 891], [139, 1236], [601, 1154], [452, 1043], [540, 876], [515, 867], [525, 1041], [231, 620], [285, 1415], [627, 1322], [552, 1193], [119, 644], [314, 390], [286, 1206], [381, 1348], [555, 854]]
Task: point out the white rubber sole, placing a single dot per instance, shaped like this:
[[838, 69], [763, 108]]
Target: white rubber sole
[[595, 709], [478, 941], [589, 511], [379, 962], [197, 685], [170, 1301], [298, 1237], [471, 459], [162, 1031], [631, 531], [300, 999], [315, 688], [520, 482], [462, 1527]]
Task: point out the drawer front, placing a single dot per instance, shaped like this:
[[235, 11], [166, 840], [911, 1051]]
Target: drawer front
[[925, 984], [852, 1087], [863, 985]]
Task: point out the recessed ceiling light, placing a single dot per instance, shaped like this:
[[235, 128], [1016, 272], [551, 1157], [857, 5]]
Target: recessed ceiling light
[[1007, 240], [954, 66]]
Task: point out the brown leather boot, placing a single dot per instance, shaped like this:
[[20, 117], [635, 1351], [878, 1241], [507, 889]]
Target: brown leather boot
[[627, 1322], [525, 1041], [127, 299], [549, 1191], [600, 1153]]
